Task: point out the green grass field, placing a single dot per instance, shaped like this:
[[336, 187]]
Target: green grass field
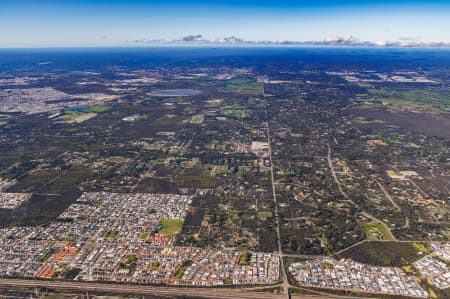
[[171, 227], [425, 99], [235, 113], [244, 86], [182, 269], [372, 229], [112, 234], [97, 108], [245, 258], [91, 109], [131, 258], [144, 236], [76, 117], [197, 119], [81, 114], [363, 120], [421, 248]]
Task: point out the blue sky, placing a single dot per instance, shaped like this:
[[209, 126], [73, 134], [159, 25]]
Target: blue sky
[[45, 23]]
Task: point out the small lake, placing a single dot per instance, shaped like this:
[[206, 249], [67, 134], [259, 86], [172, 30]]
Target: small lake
[[175, 92]]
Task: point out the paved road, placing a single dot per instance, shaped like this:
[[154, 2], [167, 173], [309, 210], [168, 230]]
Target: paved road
[[142, 290], [285, 283], [336, 180], [341, 190], [387, 229], [388, 196]]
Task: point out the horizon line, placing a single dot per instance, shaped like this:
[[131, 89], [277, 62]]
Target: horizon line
[[221, 45]]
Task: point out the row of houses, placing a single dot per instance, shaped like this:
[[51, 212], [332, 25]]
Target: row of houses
[[350, 275]]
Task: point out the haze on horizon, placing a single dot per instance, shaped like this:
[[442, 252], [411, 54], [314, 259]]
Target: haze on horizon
[[66, 23]]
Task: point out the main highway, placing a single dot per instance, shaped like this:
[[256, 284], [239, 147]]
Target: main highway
[[218, 293]]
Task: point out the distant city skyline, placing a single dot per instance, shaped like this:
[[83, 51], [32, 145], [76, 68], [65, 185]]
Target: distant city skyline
[[66, 23]]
